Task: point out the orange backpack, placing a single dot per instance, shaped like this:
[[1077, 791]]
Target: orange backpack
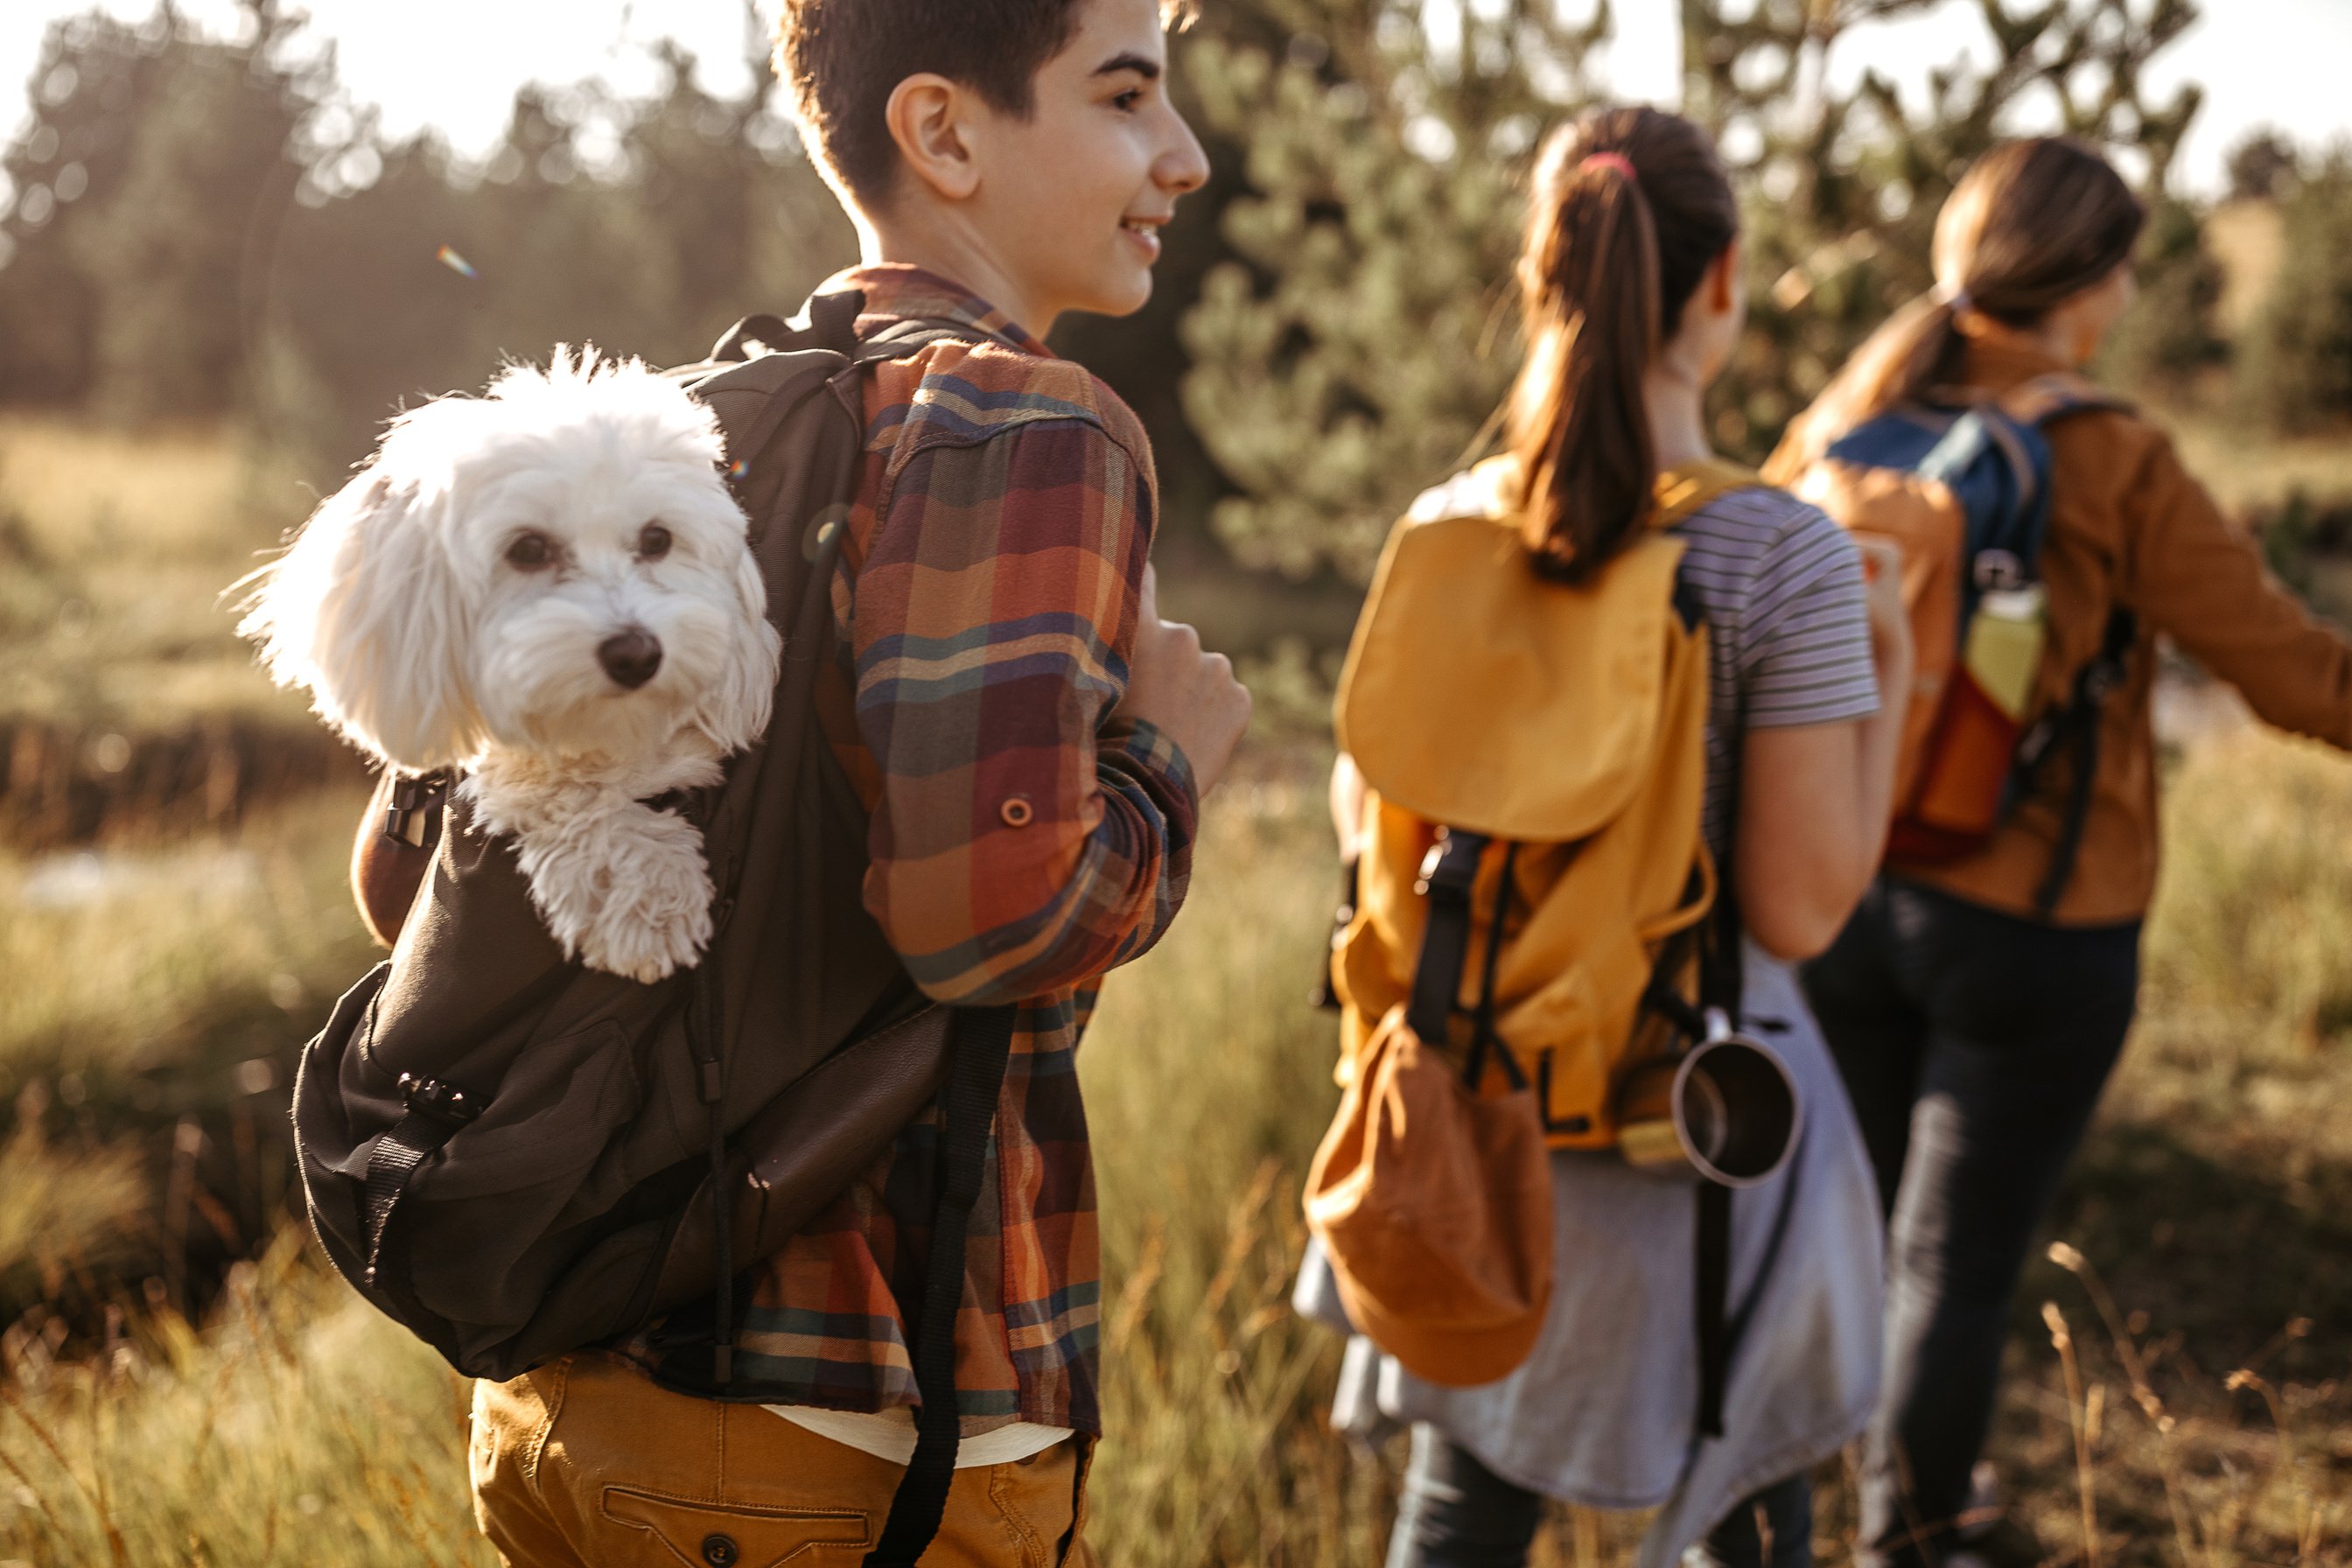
[[1963, 490]]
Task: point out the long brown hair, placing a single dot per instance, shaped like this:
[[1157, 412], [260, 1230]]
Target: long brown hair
[[2032, 224], [1629, 208]]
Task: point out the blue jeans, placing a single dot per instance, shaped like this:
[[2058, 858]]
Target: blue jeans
[[1974, 1045], [1457, 1513]]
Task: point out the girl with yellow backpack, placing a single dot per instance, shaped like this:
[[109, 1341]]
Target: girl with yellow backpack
[[1614, 756], [1982, 992]]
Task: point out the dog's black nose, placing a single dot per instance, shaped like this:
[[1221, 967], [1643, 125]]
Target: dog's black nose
[[630, 658]]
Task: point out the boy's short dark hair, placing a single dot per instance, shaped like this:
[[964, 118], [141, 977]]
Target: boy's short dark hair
[[842, 59]]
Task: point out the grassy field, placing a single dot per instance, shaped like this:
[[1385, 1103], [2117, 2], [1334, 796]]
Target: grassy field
[[182, 1383], [2201, 1403]]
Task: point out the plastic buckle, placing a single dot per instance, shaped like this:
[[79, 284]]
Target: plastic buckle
[[1998, 572], [1451, 865], [412, 799], [437, 1101]]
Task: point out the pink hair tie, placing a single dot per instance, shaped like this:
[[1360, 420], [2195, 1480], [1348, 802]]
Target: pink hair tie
[[1617, 161]]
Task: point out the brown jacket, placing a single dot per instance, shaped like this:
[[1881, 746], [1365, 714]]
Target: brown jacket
[[2128, 525]]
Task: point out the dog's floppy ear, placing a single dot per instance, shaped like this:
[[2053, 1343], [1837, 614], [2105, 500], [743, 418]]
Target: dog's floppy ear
[[367, 610], [736, 709]]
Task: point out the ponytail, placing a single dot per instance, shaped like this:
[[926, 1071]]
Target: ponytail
[[2032, 224], [1629, 208]]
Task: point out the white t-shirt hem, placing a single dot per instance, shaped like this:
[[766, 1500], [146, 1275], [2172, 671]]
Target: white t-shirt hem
[[890, 1434]]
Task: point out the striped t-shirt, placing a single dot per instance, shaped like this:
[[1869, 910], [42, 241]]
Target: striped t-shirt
[[1788, 632]]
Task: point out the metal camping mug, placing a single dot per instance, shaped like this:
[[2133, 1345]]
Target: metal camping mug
[[1726, 1108]]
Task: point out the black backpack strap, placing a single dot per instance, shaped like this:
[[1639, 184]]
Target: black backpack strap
[[2080, 721], [436, 1111], [1445, 879], [983, 1043], [1722, 981]]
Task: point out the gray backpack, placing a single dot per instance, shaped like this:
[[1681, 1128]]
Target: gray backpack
[[515, 1156]]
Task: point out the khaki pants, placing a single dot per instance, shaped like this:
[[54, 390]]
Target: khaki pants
[[586, 1463]]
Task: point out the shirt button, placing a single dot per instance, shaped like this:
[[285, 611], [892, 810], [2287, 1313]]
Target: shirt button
[[720, 1550], [1016, 811]]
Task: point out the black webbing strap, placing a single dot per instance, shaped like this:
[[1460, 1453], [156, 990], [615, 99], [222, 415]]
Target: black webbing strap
[[1714, 1297], [1484, 1041], [436, 1111], [1445, 879], [983, 1040], [1722, 980], [2082, 717]]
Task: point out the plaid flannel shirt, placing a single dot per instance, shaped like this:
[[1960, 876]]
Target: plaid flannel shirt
[[1024, 840]]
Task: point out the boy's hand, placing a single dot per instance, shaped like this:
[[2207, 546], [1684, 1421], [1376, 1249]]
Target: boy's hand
[[1190, 694]]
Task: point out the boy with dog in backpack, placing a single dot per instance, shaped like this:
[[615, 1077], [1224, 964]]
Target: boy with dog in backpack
[[993, 700]]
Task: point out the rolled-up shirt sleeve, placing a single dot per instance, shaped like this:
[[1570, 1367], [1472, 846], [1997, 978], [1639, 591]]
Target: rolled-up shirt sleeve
[[1027, 836]]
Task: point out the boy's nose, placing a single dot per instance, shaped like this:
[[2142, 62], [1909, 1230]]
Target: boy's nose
[[630, 658], [1185, 167]]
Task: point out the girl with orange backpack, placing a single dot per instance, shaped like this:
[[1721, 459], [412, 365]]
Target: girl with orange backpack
[[1981, 994], [1622, 1369]]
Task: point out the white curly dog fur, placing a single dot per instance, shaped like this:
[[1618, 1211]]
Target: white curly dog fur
[[549, 588]]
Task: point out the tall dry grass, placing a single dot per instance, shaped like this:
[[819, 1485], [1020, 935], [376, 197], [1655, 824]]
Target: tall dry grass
[[2197, 1413], [114, 554], [2182, 1399], [154, 998]]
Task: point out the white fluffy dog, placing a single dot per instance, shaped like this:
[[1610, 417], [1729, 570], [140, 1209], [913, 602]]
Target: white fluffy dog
[[547, 588]]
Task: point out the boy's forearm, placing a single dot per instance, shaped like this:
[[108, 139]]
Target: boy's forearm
[[1100, 897]]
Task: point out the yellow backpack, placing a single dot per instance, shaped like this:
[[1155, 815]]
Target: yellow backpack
[[1563, 728]]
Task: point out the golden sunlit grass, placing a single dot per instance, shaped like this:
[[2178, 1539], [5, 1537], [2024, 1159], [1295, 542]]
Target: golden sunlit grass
[[2185, 1399], [114, 551], [2199, 1284], [299, 1428], [148, 987]]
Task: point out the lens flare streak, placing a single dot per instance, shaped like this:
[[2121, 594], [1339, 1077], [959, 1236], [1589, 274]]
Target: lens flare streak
[[456, 263]]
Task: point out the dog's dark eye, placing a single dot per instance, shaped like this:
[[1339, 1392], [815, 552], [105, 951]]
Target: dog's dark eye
[[653, 542], [531, 552]]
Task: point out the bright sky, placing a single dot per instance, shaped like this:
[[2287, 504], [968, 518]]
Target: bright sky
[[455, 64]]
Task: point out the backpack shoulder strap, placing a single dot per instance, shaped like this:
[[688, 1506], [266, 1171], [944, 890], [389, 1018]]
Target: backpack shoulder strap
[[1689, 487], [2055, 396]]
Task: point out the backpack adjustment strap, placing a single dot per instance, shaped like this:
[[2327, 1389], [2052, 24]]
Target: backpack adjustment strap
[[983, 1045], [1446, 875], [2081, 719], [436, 1112]]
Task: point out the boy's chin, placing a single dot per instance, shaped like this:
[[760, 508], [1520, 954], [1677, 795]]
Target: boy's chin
[[1120, 293]]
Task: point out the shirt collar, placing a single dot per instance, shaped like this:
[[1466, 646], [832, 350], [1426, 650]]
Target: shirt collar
[[895, 291]]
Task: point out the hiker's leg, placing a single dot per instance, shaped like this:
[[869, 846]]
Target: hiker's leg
[[2027, 1021], [1868, 1008], [1457, 1513], [1769, 1529], [623, 1474]]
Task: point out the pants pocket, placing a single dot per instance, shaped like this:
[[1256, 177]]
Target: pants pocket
[[721, 1536]]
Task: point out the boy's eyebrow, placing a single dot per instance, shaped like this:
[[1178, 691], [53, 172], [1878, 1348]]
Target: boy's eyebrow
[[1142, 65]]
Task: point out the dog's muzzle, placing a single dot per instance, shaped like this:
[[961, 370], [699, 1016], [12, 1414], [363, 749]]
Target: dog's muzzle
[[631, 657]]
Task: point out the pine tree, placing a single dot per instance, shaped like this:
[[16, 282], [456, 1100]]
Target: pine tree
[[1361, 351]]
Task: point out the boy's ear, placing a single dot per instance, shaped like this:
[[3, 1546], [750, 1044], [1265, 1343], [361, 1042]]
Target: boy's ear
[[929, 118]]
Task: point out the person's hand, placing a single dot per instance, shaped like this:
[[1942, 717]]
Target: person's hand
[[1185, 691], [1890, 622]]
